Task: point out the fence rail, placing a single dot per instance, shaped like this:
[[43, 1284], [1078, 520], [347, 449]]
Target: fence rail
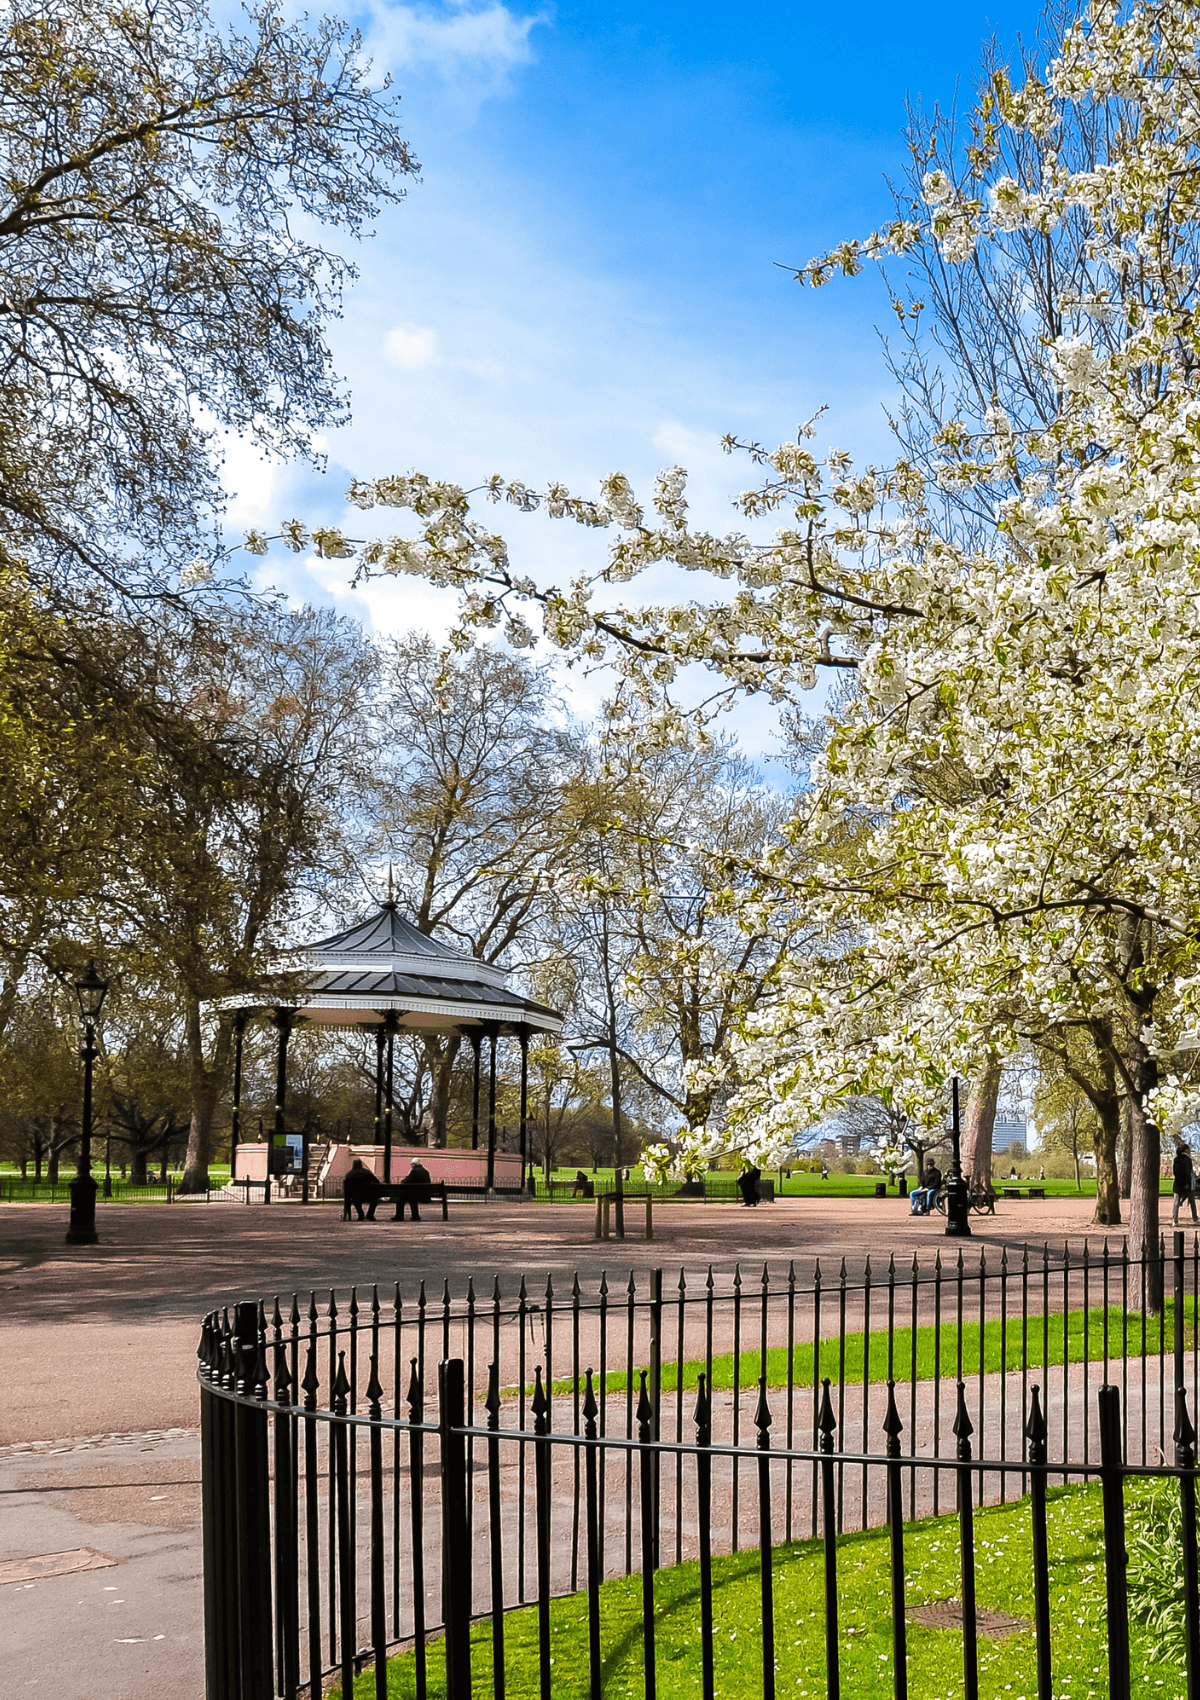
[[16, 1190], [381, 1474]]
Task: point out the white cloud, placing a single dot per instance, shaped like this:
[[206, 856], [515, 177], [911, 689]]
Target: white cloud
[[411, 347], [485, 42]]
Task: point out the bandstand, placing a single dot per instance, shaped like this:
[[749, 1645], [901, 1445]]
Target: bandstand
[[384, 974]]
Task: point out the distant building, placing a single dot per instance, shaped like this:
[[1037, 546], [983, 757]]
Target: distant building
[[849, 1144], [1011, 1136]]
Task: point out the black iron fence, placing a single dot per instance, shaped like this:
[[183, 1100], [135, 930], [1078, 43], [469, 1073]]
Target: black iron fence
[[17, 1189], [391, 1477]]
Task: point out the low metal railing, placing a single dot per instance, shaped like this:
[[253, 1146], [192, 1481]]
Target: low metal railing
[[15, 1189], [370, 1490]]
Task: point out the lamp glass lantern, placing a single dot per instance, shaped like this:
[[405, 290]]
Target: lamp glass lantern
[[91, 991]]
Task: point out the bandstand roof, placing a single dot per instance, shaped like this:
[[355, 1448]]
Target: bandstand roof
[[383, 963]]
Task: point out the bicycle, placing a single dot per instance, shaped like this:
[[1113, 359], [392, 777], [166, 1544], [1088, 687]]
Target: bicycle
[[981, 1202]]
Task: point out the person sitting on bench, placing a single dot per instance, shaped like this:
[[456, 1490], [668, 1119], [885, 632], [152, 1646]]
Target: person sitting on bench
[[923, 1197], [413, 1191], [582, 1187], [359, 1188]]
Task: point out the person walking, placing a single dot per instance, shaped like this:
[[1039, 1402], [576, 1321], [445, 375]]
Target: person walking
[[1183, 1185], [748, 1184]]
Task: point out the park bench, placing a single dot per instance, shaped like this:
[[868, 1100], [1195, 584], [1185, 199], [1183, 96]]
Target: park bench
[[1027, 1192], [568, 1187], [393, 1192]]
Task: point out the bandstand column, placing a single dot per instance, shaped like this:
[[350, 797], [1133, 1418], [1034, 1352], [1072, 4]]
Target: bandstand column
[[235, 1118], [379, 1048], [476, 1046], [523, 1036], [284, 1020], [391, 1026], [491, 1156]]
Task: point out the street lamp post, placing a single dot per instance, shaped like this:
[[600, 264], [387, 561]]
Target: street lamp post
[[958, 1208], [90, 991]]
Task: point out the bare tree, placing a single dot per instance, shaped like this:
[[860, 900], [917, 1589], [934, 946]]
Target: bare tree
[[156, 283], [673, 971], [475, 804]]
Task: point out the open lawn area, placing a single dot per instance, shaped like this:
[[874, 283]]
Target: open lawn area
[[805, 1185], [919, 1354], [1003, 1570]]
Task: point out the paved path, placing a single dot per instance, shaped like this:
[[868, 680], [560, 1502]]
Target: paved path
[[125, 1313], [99, 1342]]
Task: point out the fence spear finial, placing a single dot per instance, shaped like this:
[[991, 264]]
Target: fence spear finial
[[762, 1413], [1035, 1427], [702, 1417], [375, 1390], [964, 1428], [414, 1397], [341, 1386], [539, 1404], [1185, 1433], [645, 1411], [892, 1426], [826, 1421]]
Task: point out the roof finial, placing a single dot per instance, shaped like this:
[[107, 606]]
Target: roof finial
[[391, 898]]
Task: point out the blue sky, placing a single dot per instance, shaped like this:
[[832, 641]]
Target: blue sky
[[585, 277]]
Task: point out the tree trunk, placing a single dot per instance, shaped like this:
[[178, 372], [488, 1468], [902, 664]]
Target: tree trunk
[[978, 1124], [1125, 1151], [208, 1080], [1146, 1160], [1104, 1144], [138, 1175], [440, 1055]]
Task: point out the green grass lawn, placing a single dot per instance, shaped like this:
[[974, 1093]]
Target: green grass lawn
[[804, 1185], [863, 1186], [913, 1355], [1003, 1572]]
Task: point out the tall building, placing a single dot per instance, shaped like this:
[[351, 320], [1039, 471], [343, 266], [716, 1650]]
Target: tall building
[[1008, 1131]]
